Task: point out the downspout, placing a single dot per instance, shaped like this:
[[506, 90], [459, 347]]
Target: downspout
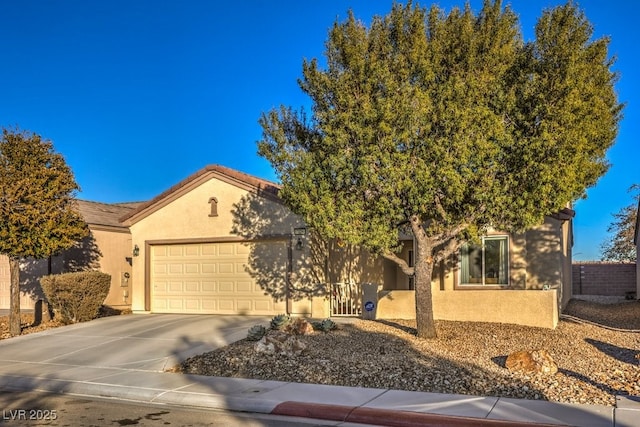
[[287, 284]]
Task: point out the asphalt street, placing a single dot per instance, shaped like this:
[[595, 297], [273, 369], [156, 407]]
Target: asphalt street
[[47, 409]]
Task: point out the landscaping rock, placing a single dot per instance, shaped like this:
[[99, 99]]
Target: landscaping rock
[[533, 362], [299, 327], [467, 358], [280, 343]]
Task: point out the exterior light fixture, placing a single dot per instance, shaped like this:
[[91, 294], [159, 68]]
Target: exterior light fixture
[[299, 231], [136, 250]]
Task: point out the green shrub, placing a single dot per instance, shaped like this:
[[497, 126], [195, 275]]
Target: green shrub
[[76, 297]]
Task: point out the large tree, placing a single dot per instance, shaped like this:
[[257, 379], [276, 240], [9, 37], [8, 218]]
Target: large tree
[[38, 216], [621, 246], [444, 125]]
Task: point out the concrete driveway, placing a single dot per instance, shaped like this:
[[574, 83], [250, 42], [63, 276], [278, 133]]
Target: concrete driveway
[[147, 342]]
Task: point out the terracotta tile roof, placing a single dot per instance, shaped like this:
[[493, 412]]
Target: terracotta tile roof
[[259, 185], [95, 213]]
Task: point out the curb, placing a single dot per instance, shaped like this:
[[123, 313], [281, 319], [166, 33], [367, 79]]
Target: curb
[[391, 418]]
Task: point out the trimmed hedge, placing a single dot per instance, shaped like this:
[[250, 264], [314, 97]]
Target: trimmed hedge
[[76, 297]]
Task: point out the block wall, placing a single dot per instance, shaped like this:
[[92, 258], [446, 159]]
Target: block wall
[[604, 278]]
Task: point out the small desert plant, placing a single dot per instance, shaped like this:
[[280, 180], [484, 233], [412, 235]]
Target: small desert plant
[[325, 325], [280, 321], [256, 332], [76, 297]]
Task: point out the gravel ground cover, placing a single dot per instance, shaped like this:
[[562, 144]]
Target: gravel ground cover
[[27, 324], [30, 325], [595, 347]]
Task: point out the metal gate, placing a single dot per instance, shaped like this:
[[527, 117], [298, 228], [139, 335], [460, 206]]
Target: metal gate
[[346, 299]]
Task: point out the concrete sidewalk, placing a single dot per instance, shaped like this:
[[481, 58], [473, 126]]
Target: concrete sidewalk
[[124, 358]]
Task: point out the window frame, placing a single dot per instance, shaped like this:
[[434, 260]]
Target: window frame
[[458, 282]]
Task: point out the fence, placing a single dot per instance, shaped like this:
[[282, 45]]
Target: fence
[[346, 299], [604, 278]]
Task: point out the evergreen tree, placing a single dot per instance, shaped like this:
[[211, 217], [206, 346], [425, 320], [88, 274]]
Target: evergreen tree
[[38, 217], [621, 246], [444, 125]]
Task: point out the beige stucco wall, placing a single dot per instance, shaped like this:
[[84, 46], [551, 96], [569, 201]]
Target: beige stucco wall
[[523, 307], [30, 290], [350, 264], [105, 250], [538, 257], [112, 256], [242, 215]]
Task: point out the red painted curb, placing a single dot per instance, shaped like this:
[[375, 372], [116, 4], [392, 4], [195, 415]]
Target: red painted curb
[[390, 418]]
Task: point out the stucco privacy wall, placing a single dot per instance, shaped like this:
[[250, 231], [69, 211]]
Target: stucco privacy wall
[[242, 214], [523, 307]]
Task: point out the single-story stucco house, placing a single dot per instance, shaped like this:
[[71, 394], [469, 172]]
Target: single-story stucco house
[[222, 242]]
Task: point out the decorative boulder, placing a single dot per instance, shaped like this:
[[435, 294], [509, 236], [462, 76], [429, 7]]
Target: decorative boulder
[[299, 327], [531, 362], [280, 343]]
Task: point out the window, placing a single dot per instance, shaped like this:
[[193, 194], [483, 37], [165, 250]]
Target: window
[[487, 264]]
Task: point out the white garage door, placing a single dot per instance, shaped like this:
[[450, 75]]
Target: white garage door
[[214, 278]]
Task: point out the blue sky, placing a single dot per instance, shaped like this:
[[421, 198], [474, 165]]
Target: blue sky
[[138, 95]]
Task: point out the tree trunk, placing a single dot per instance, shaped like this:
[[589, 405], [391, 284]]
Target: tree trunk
[[423, 271], [14, 301]]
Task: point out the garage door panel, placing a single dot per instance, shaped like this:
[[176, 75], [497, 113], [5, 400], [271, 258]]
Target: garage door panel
[[160, 304], [193, 250], [175, 305], [240, 268], [208, 268], [226, 305], [226, 287], [245, 287], [175, 287], [243, 249], [191, 287], [209, 249], [226, 249], [262, 306], [191, 304], [159, 269], [226, 268], [175, 251], [160, 252], [215, 278], [192, 268], [175, 269]]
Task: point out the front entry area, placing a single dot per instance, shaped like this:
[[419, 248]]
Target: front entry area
[[217, 278]]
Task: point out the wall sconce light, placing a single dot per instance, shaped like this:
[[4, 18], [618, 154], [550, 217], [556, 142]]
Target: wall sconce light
[[299, 231], [136, 250]]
